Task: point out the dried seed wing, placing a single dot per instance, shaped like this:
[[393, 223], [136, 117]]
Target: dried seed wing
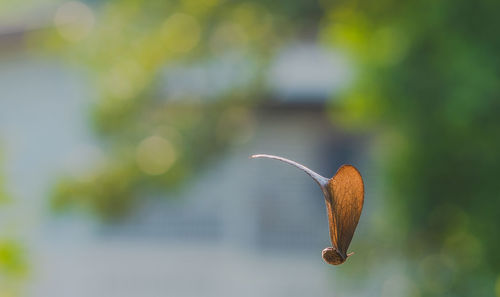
[[346, 193]]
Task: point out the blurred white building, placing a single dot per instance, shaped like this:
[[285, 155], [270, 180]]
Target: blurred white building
[[242, 228]]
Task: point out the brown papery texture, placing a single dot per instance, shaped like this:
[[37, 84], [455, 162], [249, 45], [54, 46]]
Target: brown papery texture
[[344, 204]]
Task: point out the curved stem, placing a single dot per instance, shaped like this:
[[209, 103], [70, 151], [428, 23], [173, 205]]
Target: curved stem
[[321, 180]]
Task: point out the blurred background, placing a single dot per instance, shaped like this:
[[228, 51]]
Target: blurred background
[[126, 126]]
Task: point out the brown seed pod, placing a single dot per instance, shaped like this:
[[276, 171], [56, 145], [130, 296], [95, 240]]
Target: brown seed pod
[[344, 196]]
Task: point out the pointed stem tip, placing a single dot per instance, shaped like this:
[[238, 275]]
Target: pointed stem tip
[[321, 180]]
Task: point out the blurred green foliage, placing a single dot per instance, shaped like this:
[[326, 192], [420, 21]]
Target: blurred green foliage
[[429, 83], [13, 266], [427, 86], [150, 141]]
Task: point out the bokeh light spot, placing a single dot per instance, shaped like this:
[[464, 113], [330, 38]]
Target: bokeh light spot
[[155, 155], [181, 33], [228, 36], [465, 247], [74, 20], [399, 285], [124, 79], [438, 272]]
